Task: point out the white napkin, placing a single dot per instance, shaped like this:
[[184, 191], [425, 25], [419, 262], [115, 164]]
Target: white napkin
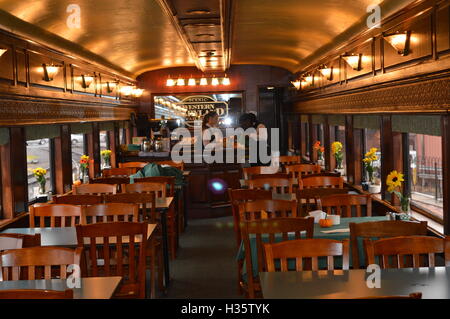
[[341, 230]]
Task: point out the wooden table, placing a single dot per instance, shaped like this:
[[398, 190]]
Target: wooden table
[[91, 287], [432, 283]]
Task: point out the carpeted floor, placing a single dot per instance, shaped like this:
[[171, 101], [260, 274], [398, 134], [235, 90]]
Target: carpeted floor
[[205, 266]]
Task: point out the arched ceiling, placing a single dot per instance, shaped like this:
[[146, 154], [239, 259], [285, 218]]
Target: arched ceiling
[[141, 35]]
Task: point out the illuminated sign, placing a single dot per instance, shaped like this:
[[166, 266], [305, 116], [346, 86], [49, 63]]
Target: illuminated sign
[[198, 106]]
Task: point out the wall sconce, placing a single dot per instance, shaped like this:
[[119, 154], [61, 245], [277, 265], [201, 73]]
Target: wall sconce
[[2, 51], [354, 60], [110, 86], [326, 72], [86, 81], [192, 82], [49, 71], [215, 81], [203, 81], [226, 80], [137, 92], [126, 90], [180, 82], [296, 84], [170, 82], [400, 41]]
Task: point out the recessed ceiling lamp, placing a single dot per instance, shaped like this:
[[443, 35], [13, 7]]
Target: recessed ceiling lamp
[[50, 71], [209, 35], [354, 60], [2, 51], [203, 81], [400, 41], [181, 82], [215, 81], [198, 11], [327, 72]]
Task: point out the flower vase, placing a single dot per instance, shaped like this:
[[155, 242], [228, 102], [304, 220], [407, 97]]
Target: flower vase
[[405, 206], [374, 189], [84, 176], [42, 188], [106, 163]]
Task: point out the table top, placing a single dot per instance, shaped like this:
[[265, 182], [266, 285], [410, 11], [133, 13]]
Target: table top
[[66, 236], [164, 202], [349, 284], [91, 288]]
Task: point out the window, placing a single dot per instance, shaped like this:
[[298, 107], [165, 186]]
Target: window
[[122, 136], [77, 151], [104, 140], [38, 156], [425, 172]]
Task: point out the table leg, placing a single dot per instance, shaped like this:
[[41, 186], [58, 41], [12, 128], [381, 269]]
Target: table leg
[[184, 192], [165, 247]]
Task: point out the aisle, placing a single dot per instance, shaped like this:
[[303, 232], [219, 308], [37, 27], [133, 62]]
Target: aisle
[[205, 266]]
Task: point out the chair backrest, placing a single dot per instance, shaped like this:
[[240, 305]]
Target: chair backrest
[[160, 189], [126, 259], [321, 181], [146, 202], [7, 242], [138, 165], [300, 170], [119, 182], [306, 248], [60, 215], [168, 180], [111, 212], [346, 205], [78, 199], [119, 171], [94, 189], [267, 209], [276, 175], [276, 184], [396, 252], [37, 262], [179, 165], [238, 196], [27, 240], [256, 170], [270, 230], [308, 198], [289, 160], [382, 229], [36, 294]]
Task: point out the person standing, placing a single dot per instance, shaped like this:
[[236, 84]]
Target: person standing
[[260, 136]]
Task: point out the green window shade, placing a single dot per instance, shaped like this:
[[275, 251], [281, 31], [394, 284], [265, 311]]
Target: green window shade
[[366, 121], [336, 120], [304, 118], [318, 119], [81, 128], [419, 124], [106, 126], [4, 136], [37, 132]]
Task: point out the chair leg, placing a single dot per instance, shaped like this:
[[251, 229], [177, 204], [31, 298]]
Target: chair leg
[[160, 270]]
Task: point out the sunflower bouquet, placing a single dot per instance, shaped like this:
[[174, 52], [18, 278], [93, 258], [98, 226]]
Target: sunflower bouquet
[[319, 149], [369, 160], [337, 150], [39, 173], [84, 165], [106, 156], [394, 183]]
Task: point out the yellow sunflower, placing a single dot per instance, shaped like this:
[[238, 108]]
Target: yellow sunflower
[[336, 147], [394, 180]]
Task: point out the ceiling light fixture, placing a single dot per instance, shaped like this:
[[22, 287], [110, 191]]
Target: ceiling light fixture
[[2, 51], [400, 41], [203, 81], [170, 82], [181, 82], [126, 90], [192, 82], [327, 72], [354, 60], [226, 80], [198, 11], [296, 84], [137, 92], [86, 81], [111, 85], [215, 81], [50, 71]]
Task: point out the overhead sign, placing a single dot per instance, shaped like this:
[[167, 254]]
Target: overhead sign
[[197, 106]]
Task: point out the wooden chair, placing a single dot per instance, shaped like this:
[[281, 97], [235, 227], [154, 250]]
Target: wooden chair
[[57, 213], [160, 189], [238, 196], [137, 165], [346, 204], [269, 228], [130, 265], [400, 247], [119, 182], [179, 165], [78, 199], [168, 180], [299, 170], [111, 212], [308, 198], [277, 185], [27, 240], [382, 229], [94, 189], [147, 205], [37, 262], [321, 181], [267, 209], [289, 160], [257, 170], [306, 248], [119, 172], [36, 294], [276, 175]]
